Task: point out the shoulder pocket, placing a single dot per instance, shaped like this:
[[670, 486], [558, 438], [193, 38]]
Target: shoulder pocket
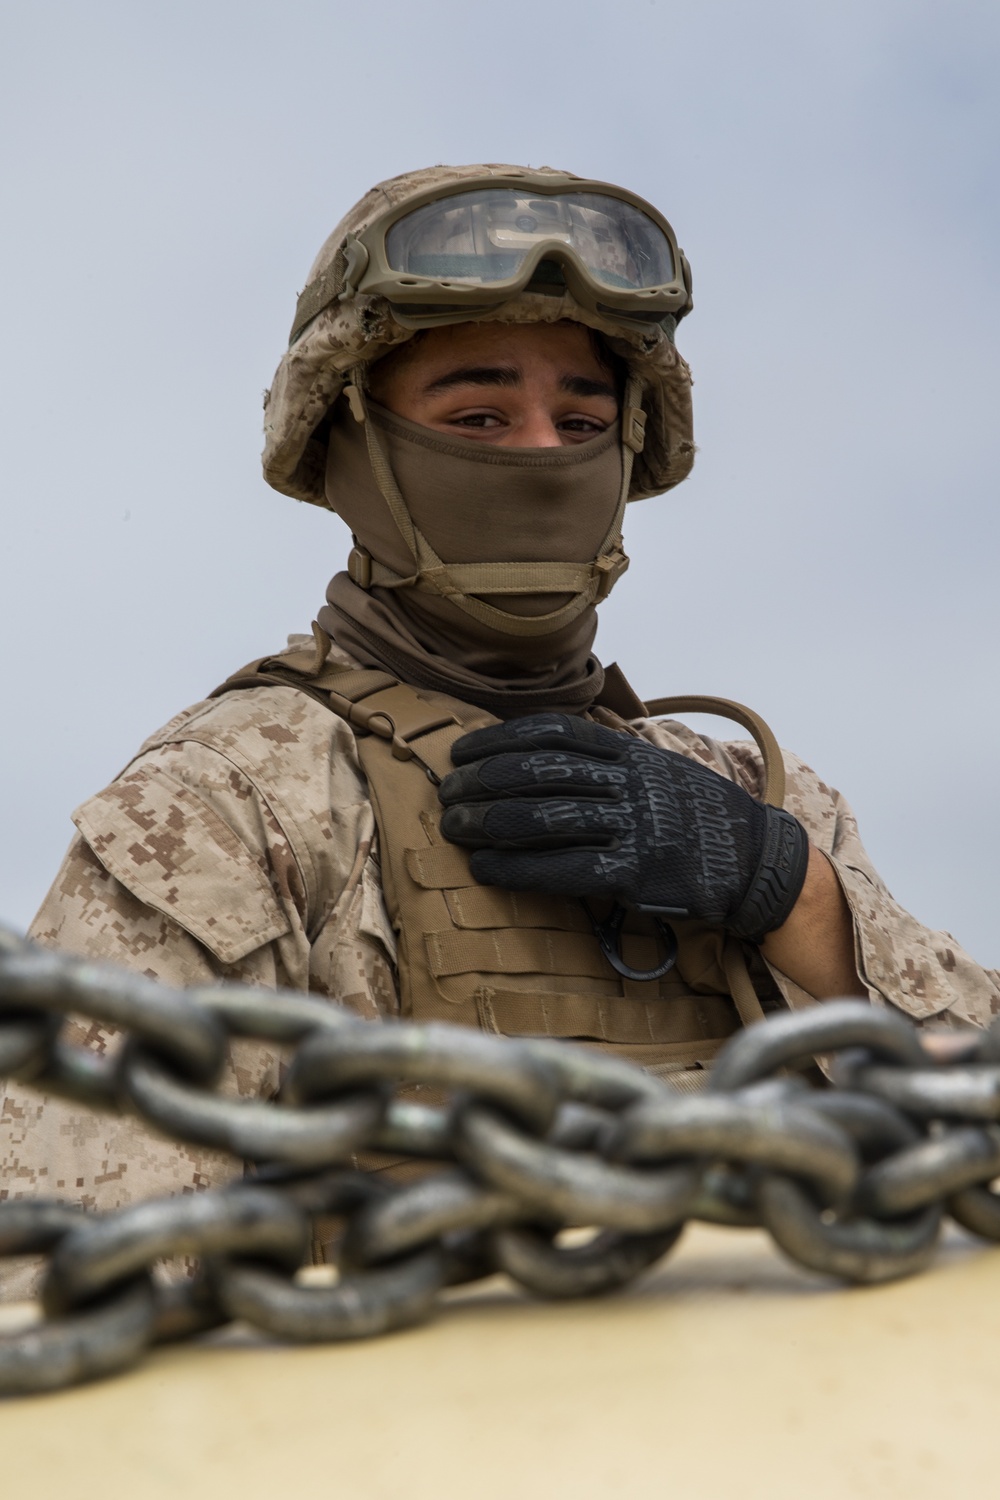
[[173, 851]]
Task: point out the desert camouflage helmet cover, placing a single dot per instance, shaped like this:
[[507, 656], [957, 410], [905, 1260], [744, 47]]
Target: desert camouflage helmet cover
[[352, 334]]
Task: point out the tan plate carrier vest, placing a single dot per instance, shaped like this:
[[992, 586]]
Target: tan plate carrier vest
[[513, 962]]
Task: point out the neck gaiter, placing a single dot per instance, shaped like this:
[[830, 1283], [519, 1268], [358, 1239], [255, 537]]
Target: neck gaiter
[[477, 504]]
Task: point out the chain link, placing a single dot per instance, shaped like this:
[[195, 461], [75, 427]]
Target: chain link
[[521, 1140]]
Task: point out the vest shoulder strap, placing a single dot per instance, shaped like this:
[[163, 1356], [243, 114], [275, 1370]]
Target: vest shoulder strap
[[371, 701], [378, 703]]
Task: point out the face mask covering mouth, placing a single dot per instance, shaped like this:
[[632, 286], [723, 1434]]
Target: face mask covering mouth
[[476, 568]]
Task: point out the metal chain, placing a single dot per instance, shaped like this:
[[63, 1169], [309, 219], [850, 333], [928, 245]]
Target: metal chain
[[533, 1138]]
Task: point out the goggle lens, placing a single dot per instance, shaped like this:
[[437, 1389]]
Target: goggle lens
[[485, 236]]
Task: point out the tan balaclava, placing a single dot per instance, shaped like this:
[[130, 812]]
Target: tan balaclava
[[476, 517], [476, 568]]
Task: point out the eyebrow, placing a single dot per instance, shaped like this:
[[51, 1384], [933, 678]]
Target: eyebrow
[[510, 376], [582, 385], [505, 375]]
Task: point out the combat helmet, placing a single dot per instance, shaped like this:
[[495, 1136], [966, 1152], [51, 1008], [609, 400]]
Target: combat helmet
[[487, 243]]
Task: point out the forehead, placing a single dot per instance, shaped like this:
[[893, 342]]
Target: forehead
[[558, 343]]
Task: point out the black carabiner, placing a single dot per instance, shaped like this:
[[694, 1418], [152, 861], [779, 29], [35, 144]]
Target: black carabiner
[[609, 935]]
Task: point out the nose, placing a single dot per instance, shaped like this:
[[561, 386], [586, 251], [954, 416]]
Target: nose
[[538, 430]]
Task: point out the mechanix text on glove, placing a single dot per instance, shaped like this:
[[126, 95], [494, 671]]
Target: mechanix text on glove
[[557, 804]]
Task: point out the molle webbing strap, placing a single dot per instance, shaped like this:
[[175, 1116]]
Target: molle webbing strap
[[685, 1027]]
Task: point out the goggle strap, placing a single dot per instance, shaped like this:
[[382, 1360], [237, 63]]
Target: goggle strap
[[313, 299]]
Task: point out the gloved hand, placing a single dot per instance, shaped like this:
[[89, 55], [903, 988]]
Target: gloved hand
[[557, 804]]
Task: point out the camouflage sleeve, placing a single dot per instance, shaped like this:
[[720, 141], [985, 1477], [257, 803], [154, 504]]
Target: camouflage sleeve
[[238, 846], [925, 974], [54, 1149]]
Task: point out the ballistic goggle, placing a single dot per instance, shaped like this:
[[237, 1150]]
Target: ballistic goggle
[[445, 255]]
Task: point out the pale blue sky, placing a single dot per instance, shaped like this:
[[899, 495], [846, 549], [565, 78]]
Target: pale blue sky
[[169, 172]]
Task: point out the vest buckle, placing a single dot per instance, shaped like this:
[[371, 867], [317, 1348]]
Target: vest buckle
[[609, 937]]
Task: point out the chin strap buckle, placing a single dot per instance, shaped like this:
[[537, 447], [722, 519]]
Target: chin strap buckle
[[356, 401], [608, 570], [634, 428], [359, 567]]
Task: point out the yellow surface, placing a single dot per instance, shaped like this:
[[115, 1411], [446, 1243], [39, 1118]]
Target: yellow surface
[[727, 1375]]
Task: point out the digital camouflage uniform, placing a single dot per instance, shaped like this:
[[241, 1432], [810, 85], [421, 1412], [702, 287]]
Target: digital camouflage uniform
[[240, 844]]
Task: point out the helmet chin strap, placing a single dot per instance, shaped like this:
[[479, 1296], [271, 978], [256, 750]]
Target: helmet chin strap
[[462, 583]]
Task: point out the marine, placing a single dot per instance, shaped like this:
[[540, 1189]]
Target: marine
[[440, 804]]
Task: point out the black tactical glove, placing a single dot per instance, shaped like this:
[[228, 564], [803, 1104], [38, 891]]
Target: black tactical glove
[[557, 804]]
